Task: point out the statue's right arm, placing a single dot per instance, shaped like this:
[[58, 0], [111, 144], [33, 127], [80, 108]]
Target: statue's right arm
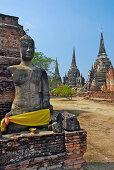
[[18, 75], [15, 75]]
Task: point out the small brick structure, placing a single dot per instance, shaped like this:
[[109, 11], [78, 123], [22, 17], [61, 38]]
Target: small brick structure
[[10, 33], [46, 150], [76, 146]]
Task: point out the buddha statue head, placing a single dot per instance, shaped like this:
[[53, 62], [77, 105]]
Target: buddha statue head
[[26, 48]]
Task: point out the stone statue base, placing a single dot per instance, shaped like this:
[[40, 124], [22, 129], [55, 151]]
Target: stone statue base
[[15, 128]]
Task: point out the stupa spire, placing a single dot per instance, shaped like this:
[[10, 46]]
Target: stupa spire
[[56, 68], [102, 51], [57, 75], [73, 59]]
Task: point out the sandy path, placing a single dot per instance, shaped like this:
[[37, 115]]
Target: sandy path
[[97, 118]]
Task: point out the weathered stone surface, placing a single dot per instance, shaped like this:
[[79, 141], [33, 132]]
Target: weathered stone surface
[[56, 123], [56, 127], [65, 121], [70, 122], [31, 83]]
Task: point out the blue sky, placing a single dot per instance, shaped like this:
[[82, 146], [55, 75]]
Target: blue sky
[[59, 25]]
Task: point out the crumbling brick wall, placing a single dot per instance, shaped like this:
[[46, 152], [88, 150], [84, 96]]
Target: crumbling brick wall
[[107, 90], [10, 32], [109, 95], [109, 84], [43, 151]]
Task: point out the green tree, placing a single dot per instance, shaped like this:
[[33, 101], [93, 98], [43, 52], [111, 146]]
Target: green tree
[[43, 62], [64, 91]]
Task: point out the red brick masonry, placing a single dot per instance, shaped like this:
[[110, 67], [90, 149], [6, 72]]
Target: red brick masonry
[[7, 90], [10, 33], [109, 84], [106, 96], [45, 150]]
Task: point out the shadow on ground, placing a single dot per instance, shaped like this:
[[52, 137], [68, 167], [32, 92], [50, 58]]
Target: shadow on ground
[[76, 112], [100, 166]]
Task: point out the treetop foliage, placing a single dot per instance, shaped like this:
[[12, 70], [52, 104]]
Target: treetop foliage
[[43, 62]]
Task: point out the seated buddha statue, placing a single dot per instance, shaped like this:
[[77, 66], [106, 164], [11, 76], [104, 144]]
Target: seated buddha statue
[[31, 85]]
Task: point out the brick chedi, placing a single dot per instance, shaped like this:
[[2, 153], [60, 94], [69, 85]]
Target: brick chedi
[[97, 75], [10, 32], [74, 79]]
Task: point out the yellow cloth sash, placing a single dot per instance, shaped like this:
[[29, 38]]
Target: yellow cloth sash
[[36, 118]]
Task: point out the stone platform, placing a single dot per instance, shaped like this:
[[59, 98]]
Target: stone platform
[[44, 150]]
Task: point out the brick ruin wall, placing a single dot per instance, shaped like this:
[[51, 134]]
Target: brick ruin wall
[[109, 84], [43, 151], [10, 32], [7, 90], [106, 95]]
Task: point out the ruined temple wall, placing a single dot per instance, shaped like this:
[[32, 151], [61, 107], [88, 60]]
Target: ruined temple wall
[[109, 84], [8, 19], [104, 95], [46, 150], [7, 89], [10, 33]]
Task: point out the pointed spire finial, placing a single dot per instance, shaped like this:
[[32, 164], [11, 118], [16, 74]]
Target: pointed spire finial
[[56, 74], [102, 51], [73, 59]]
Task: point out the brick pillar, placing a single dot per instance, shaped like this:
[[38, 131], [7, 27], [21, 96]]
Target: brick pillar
[[76, 146]]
